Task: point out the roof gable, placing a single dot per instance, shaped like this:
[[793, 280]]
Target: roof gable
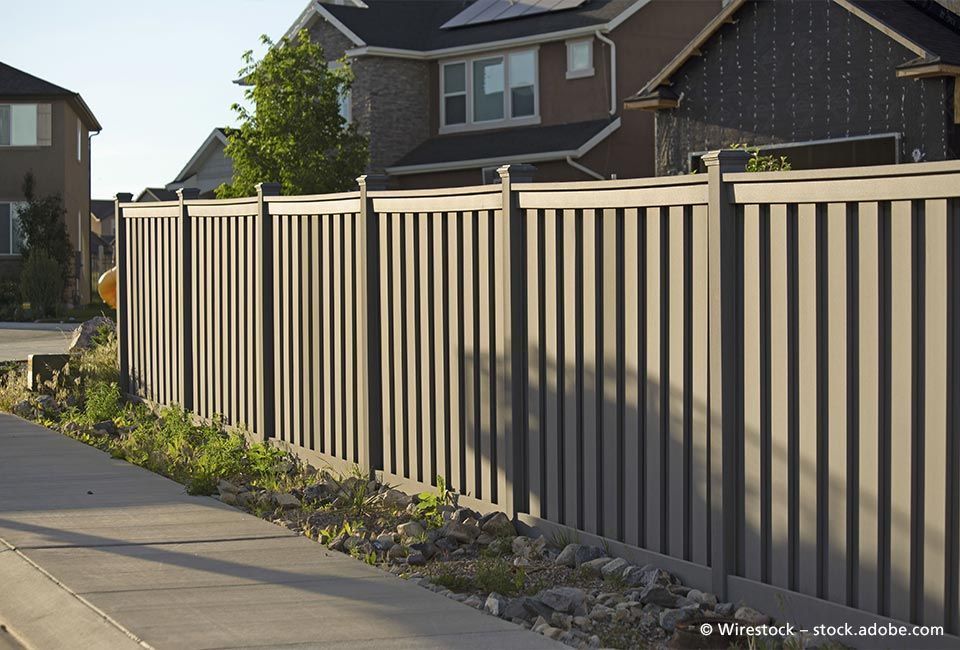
[[416, 25], [217, 138], [15, 83], [904, 21]]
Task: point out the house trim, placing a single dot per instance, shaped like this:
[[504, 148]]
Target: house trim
[[541, 156], [363, 49], [309, 15], [187, 170], [930, 70]]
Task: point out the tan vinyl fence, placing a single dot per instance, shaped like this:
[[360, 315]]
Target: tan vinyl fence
[[749, 379]]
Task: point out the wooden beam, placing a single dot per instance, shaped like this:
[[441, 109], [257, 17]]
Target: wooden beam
[[930, 70]]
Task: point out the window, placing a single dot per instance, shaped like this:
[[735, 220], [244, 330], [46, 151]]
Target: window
[[18, 125], [346, 97], [79, 140], [489, 91], [580, 58], [10, 236], [523, 81], [455, 93]]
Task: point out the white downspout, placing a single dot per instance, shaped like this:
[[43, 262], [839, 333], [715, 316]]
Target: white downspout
[[586, 170], [613, 70], [613, 101]]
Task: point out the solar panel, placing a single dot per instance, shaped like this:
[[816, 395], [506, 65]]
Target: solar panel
[[488, 11]]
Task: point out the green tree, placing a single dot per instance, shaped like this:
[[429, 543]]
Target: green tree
[[43, 227], [41, 284], [294, 134]]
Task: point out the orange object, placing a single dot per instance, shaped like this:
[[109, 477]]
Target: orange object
[[107, 287]]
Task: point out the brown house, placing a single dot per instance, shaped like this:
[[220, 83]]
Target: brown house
[[44, 129], [448, 90]]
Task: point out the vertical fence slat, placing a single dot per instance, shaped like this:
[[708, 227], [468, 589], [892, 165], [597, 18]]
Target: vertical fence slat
[[591, 385], [699, 479], [676, 433], [485, 353], [837, 560], [634, 371], [536, 384], [654, 384], [752, 551], [552, 386], [400, 402], [901, 412], [935, 492], [807, 313], [440, 383], [570, 404], [455, 327], [611, 433], [868, 524], [426, 432]]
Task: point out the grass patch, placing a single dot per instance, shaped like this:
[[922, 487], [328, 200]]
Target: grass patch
[[453, 581], [496, 574]]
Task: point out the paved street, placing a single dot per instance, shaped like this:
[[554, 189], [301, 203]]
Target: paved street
[[98, 553], [17, 340]]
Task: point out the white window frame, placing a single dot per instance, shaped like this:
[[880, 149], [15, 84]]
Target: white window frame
[[36, 117], [465, 93], [79, 140], [474, 125], [586, 72]]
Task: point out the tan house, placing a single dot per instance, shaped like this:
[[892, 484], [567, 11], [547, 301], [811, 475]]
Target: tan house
[[45, 129], [448, 91]]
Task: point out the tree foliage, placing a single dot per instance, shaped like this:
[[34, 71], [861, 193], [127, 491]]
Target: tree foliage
[[294, 133], [41, 284], [43, 227]]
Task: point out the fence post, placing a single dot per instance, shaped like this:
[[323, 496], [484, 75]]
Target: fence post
[[510, 359], [120, 254], [725, 394], [266, 420], [186, 298], [370, 409]]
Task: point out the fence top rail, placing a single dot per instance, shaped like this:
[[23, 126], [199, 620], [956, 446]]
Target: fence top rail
[[619, 184], [151, 209], [312, 198], [441, 191], [873, 171]]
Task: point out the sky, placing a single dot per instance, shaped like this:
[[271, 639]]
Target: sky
[[157, 75]]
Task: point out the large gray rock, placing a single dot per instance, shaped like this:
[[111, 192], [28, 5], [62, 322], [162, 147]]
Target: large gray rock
[[595, 567], [464, 533], [670, 618], [396, 499], [568, 556], [659, 595], [499, 525], [587, 553], [614, 567], [496, 604], [563, 599], [285, 500], [84, 334], [410, 529], [750, 616]]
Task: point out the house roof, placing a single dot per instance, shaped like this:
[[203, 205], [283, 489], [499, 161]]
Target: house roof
[[156, 194], [15, 83], [415, 25], [521, 144], [915, 24], [217, 137], [101, 208]]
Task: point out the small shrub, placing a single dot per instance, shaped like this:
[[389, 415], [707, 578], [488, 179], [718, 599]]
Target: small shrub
[[11, 301], [13, 388], [761, 163], [99, 363], [453, 581], [496, 574], [41, 283], [102, 402], [429, 504]]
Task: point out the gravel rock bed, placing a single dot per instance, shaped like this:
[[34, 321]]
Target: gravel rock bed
[[573, 593]]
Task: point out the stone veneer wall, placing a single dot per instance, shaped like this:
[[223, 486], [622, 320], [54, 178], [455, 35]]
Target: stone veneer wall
[[389, 98]]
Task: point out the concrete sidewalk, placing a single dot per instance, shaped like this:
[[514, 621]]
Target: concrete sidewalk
[[95, 552], [18, 340]]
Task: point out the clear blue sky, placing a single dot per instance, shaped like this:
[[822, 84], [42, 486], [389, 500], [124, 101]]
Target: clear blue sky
[[158, 75]]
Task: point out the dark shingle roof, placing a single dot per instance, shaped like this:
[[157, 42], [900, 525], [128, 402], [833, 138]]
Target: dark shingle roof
[[415, 24], [101, 207], [157, 194], [17, 83], [510, 143], [920, 24]]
